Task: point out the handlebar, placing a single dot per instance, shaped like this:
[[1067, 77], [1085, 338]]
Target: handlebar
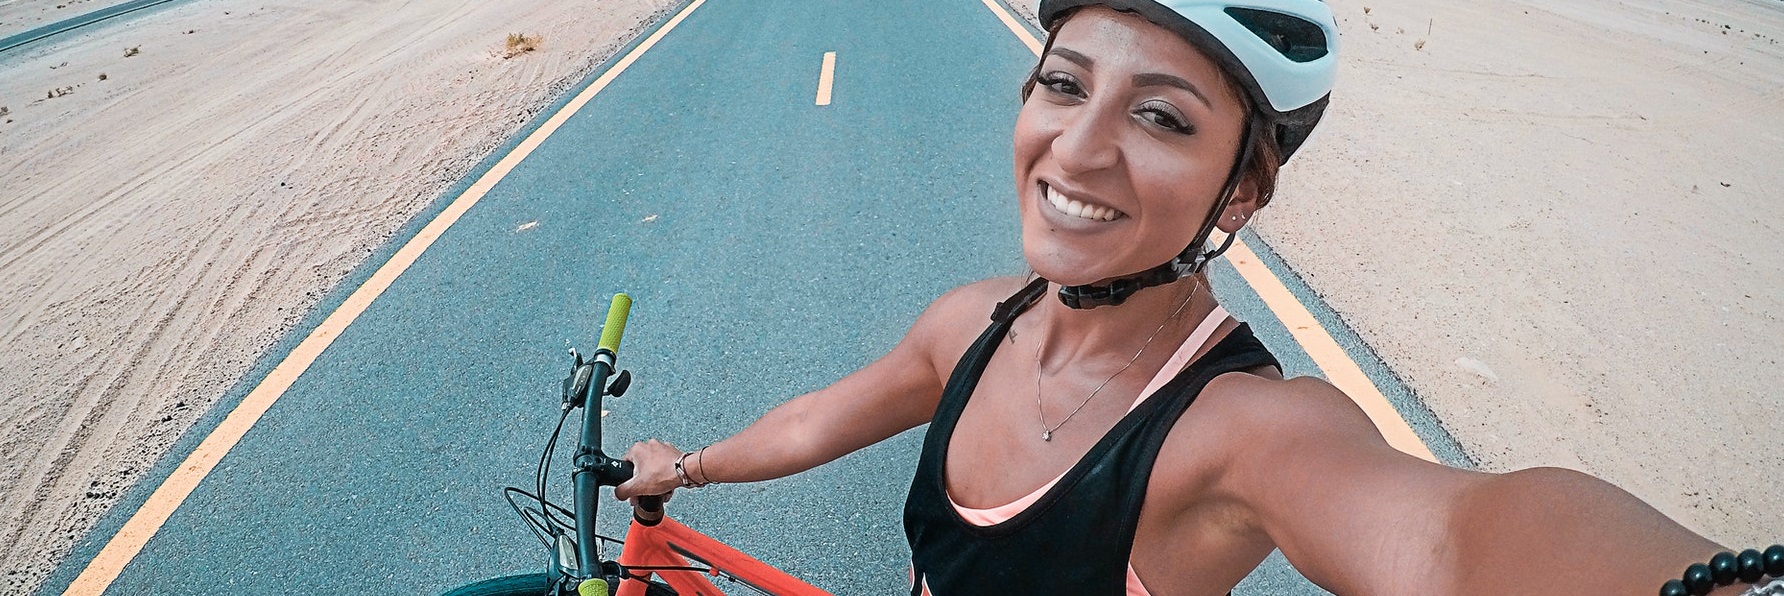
[[594, 468], [590, 380]]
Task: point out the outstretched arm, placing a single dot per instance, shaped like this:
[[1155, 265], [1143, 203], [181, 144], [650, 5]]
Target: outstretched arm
[[898, 392], [1358, 517]]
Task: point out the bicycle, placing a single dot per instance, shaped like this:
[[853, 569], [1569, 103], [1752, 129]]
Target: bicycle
[[660, 556]]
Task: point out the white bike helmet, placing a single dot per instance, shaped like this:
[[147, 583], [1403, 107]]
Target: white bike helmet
[[1283, 53]]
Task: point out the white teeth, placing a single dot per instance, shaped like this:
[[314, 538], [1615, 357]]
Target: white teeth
[[1076, 208]]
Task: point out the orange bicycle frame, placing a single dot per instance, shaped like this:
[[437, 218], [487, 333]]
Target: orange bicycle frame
[[668, 543]]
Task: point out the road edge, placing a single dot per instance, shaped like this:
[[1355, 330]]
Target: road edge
[[87, 548]]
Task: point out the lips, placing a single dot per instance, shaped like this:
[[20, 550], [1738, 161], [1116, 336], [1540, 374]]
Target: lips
[[1078, 207]]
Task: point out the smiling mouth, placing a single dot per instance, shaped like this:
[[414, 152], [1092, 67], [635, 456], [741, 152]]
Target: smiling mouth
[[1077, 208]]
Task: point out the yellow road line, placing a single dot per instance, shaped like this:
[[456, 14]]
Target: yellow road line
[[1009, 20], [124, 546], [826, 76], [1340, 370], [1332, 360]]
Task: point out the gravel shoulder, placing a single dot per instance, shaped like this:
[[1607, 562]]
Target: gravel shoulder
[[178, 190]]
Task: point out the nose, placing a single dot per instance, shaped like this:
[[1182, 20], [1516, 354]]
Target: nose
[[1087, 139]]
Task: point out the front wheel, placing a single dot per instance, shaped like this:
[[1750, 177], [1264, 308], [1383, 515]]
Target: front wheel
[[533, 584]]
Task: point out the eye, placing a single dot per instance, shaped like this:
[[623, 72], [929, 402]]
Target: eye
[[1061, 83], [1166, 116]]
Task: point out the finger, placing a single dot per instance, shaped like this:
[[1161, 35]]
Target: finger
[[625, 491], [632, 452]]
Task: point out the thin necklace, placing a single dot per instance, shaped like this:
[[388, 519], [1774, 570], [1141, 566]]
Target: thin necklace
[[1041, 409]]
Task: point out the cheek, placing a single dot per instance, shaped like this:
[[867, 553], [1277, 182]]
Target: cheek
[[1035, 130], [1179, 195]]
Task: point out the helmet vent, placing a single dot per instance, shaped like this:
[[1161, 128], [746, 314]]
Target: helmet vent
[[1297, 39]]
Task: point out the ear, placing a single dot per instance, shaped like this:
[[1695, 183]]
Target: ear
[[1241, 208]]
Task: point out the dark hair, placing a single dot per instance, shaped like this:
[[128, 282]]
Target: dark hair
[[1266, 153]]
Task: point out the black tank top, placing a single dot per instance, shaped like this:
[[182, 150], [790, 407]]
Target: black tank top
[[1079, 536]]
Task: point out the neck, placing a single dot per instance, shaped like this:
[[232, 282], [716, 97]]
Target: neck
[[1118, 332]]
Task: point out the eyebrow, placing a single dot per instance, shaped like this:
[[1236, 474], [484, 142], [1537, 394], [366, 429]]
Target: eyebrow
[[1151, 79], [1073, 57]]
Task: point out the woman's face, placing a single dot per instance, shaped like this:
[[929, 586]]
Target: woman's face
[[1121, 149]]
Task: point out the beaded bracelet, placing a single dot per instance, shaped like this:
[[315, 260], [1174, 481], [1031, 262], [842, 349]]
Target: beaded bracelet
[[1725, 568]]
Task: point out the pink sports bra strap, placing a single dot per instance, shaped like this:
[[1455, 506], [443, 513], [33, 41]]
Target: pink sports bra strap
[[1179, 360]]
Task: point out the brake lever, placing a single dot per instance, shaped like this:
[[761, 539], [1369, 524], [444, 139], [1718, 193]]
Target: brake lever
[[619, 384], [576, 384]]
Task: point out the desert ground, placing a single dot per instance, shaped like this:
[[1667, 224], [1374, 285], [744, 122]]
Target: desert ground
[[175, 192], [1557, 222]]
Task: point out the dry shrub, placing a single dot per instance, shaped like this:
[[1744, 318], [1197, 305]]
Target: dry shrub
[[521, 43]]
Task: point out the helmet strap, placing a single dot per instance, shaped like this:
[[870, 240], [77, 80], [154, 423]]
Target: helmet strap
[[1187, 263]]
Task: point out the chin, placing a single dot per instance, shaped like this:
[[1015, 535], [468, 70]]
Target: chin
[[1069, 269], [1071, 265]]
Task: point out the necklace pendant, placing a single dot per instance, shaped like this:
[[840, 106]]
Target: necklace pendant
[[1047, 435]]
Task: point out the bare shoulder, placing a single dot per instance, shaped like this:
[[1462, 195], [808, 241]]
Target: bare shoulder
[[1304, 465], [950, 324], [1252, 432], [1286, 409], [1242, 418], [985, 293]]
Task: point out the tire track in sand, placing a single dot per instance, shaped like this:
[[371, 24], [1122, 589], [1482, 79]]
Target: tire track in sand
[[177, 217]]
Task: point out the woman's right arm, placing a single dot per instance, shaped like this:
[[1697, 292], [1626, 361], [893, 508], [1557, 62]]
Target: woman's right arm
[[896, 393]]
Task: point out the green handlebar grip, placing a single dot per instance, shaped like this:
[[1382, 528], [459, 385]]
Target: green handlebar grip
[[616, 322], [592, 587]]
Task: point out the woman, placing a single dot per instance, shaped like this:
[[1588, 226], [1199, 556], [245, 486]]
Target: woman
[[1129, 435]]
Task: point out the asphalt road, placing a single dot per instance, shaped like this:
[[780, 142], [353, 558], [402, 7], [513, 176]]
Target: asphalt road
[[66, 25], [772, 245]]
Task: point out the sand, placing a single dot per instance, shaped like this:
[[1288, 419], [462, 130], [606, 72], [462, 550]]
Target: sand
[[1580, 197], [1558, 222], [167, 215]]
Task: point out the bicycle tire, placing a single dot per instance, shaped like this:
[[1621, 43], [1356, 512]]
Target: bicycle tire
[[530, 584], [533, 584]]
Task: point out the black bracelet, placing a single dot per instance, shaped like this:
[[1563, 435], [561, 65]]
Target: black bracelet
[[700, 458], [1725, 568]]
